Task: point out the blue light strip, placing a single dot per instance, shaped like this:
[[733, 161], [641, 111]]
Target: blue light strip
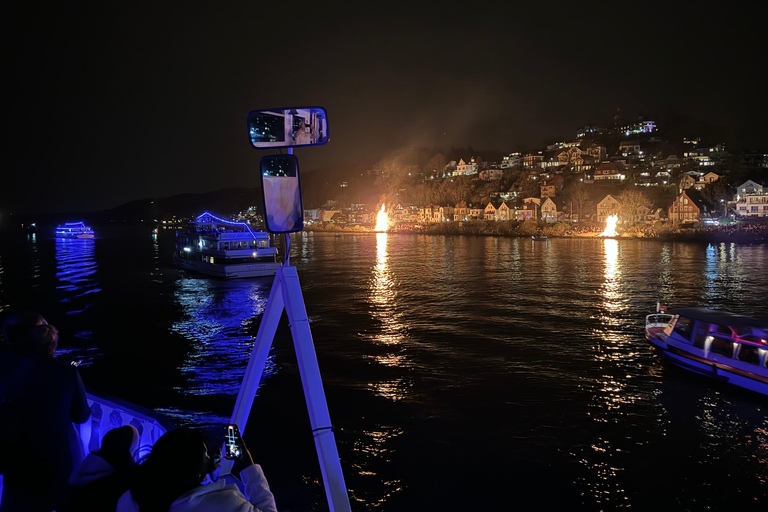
[[230, 222]]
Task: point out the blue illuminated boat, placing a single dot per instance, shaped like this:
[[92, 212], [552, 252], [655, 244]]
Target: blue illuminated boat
[[224, 248], [719, 344], [74, 230]]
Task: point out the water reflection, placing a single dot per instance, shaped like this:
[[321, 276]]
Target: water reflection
[[76, 273], [610, 391], [218, 321], [611, 289], [375, 451], [391, 332]]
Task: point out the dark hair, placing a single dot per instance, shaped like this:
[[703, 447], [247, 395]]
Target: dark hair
[[116, 447], [17, 327], [173, 467]]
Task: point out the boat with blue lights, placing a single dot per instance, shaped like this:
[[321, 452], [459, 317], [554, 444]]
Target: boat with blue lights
[[223, 248], [74, 230], [719, 344]]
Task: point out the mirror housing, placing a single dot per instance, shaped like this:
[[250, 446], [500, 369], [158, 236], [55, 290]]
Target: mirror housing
[[288, 127], [281, 190]]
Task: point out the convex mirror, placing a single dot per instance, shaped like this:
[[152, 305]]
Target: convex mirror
[[288, 127], [280, 186]]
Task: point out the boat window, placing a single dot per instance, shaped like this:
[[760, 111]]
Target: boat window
[[683, 327], [749, 354], [722, 329], [702, 331], [722, 346], [742, 331]]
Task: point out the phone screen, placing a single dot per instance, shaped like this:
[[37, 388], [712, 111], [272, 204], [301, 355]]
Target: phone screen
[[233, 442]]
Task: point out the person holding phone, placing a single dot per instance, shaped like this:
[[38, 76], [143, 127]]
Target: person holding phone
[[170, 479]]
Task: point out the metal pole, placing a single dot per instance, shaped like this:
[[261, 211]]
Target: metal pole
[[267, 329], [319, 418]]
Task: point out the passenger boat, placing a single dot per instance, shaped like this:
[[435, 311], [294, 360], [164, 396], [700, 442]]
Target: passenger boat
[[74, 230], [542, 238], [725, 346], [223, 248]]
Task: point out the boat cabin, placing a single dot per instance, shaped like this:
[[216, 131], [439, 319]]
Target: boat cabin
[[721, 333]]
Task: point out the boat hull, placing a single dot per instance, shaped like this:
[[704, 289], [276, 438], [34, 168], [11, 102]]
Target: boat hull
[[719, 368], [76, 237], [230, 271]]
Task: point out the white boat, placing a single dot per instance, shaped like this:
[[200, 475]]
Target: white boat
[[719, 344], [223, 248], [74, 230]]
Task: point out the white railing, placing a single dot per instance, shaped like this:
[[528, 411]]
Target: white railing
[[108, 413], [658, 320]]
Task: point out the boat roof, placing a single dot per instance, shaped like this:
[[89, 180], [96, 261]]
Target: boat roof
[[721, 317], [209, 219]]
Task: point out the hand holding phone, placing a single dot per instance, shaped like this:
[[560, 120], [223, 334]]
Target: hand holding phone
[[233, 444], [235, 449]]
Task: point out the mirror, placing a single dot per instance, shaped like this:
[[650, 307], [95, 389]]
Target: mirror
[[281, 189], [288, 127]]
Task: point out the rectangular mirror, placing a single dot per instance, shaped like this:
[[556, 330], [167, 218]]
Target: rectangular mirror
[[280, 186], [288, 127]]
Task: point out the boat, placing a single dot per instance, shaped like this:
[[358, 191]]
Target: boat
[[542, 238], [74, 230], [719, 344], [224, 248]]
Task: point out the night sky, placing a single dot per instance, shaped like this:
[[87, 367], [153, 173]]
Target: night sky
[[117, 101]]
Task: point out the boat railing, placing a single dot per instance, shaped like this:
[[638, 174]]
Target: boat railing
[[658, 320], [109, 412]]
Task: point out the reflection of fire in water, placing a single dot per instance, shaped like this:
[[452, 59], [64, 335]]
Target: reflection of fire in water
[[610, 226], [382, 224]]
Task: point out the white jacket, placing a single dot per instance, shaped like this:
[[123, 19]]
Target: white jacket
[[91, 469], [219, 497]]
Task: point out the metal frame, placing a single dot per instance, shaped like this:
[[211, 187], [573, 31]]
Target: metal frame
[[286, 295]]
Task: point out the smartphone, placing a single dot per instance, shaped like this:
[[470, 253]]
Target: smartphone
[[233, 444]]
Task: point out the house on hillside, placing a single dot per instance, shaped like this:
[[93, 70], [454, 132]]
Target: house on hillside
[[550, 187], [461, 212], [686, 182], [606, 207], [446, 213], [466, 168], [490, 211], [607, 171], [690, 206], [530, 209], [405, 213], [551, 210], [491, 174], [750, 187], [751, 200]]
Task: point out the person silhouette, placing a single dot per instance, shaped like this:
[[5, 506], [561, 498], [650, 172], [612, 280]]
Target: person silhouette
[[170, 479], [41, 399], [104, 475]]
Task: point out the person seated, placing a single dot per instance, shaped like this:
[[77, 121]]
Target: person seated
[[170, 479], [104, 475]]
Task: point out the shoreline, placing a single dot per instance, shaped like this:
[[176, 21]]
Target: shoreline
[[744, 236]]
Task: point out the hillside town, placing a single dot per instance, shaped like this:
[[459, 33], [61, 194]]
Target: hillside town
[[630, 170]]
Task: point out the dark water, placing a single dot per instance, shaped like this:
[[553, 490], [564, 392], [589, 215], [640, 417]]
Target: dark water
[[461, 372]]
